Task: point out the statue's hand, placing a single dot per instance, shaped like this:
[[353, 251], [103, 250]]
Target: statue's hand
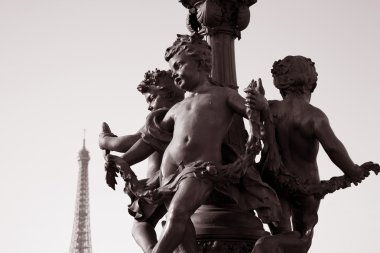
[[358, 174], [104, 136], [255, 99], [371, 166], [120, 162], [367, 167], [126, 172]]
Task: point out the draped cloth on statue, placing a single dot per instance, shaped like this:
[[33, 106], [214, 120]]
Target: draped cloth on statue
[[239, 180]]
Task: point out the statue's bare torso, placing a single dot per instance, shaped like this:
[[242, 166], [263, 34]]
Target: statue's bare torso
[[200, 123]]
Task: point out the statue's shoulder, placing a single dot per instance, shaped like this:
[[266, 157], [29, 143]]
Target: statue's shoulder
[[153, 134], [315, 112]]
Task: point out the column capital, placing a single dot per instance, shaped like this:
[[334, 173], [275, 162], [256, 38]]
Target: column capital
[[209, 17]]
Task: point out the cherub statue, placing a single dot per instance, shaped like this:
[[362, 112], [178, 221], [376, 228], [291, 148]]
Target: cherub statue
[[192, 165], [299, 129], [161, 94]]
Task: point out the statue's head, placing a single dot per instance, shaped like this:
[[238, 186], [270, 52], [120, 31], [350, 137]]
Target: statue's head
[[189, 56], [159, 89], [294, 74]]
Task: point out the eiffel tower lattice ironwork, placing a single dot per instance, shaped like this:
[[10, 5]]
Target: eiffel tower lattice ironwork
[[81, 236]]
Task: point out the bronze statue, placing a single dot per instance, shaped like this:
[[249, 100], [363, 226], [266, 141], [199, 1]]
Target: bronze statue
[[183, 140], [195, 147], [192, 164], [299, 128], [160, 92]]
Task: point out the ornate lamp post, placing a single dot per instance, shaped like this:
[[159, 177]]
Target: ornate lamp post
[[220, 225], [222, 21]]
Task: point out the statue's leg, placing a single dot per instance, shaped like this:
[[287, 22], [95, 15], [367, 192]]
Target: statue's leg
[[284, 224], [191, 193], [287, 242], [305, 217], [143, 231], [189, 242], [144, 235]]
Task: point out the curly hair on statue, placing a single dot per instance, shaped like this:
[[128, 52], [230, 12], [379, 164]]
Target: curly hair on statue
[[161, 80], [193, 46], [296, 74]]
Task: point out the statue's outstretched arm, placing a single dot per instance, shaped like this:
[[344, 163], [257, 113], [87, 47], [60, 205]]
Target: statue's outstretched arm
[[335, 148], [110, 141], [115, 164], [138, 152]]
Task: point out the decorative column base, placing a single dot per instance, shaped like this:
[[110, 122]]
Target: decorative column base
[[225, 246], [226, 229]]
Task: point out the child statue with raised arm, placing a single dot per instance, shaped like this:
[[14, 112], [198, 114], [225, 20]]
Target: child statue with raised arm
[[299, 129], [192, 165]]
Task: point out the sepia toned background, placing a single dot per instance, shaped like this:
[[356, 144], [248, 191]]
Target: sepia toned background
[[69, 65]]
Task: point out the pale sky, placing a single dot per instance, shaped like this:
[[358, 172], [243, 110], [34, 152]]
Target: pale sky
[[69, 65]]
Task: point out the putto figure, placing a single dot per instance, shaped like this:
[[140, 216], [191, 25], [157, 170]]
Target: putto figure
[[161, 94], [192, 164], [299, 129]]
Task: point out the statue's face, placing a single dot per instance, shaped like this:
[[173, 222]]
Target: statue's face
[[186, 71], [157, 99], [154, 100]]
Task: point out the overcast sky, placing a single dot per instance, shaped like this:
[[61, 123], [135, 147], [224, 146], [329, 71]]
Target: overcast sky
[[69, 65]]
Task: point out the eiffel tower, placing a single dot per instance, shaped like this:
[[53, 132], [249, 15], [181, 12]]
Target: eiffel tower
[[81, 237]]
